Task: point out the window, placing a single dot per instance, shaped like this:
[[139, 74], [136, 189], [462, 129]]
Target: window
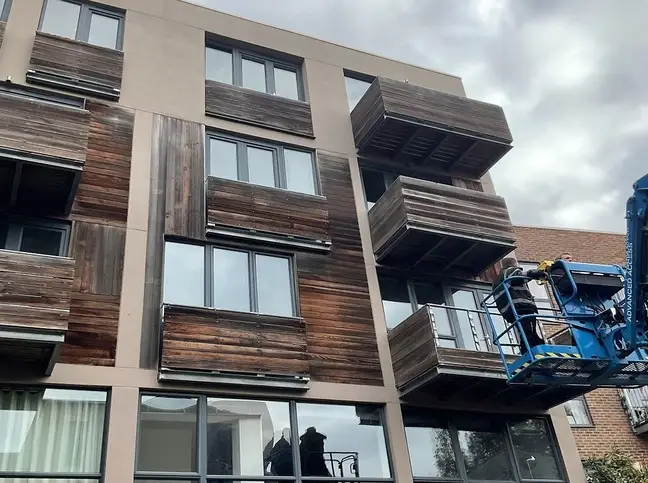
[[578, 412], [229, 279], [34, 236], [355, 89], [51, 432], [262, 164], [5, 6], [480, 448], [199, 438], [459, 319], [262, 74], [85, 22]]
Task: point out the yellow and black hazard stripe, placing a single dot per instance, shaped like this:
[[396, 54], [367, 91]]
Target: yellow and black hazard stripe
[[566, 355]]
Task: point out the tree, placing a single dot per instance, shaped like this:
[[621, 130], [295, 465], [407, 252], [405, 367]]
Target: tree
[[614, 467]]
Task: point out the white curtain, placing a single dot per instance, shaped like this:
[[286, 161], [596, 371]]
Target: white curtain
[[52, 431]]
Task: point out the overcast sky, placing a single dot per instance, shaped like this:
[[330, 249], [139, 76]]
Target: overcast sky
[[571, 75]]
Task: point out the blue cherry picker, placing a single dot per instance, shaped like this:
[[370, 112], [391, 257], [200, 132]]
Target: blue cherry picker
[[607, 342]]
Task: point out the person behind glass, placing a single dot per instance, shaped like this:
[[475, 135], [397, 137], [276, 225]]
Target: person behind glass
[[521, 297]]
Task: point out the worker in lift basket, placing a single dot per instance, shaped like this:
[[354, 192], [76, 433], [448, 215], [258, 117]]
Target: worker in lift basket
[[522, 300]]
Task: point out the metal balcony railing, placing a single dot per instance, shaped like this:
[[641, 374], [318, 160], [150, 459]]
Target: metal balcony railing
[[635, 403]]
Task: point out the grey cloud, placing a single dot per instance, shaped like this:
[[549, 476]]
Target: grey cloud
[[571, 77]]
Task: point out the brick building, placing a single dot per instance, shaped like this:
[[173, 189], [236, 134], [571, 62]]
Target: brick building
[[599, 420]]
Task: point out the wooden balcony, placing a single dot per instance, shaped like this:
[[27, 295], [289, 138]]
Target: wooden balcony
[[429, 373], [35, 295], [422, 127], [436, 227], [217, 346], [42, 151], [77, 66], [239, 209]]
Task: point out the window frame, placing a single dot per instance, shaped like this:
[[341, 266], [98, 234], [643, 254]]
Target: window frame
[[87, 9], [4, 12], [269, 63], [96, 477], [208, 281], [278, 158], [15, 223], [503, 423], [357, 76], [201, 475], [590, 421]]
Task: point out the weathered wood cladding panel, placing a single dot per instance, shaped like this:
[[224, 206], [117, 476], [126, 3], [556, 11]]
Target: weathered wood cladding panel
[[413, 125], [181, 150], [35, 290], [77, 60], [215, 340], [103, 192], [35, 127], [412, 347], [92, 333], [267, 210], [333, 290], [99, 254], [258, 108], [418, 221], [3, 26]]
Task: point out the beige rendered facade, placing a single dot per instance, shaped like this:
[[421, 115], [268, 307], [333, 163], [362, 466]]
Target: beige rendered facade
[[164, 75]]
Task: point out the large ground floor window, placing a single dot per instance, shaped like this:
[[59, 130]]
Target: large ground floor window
[[51, 435], [476, 447], [207, 439]]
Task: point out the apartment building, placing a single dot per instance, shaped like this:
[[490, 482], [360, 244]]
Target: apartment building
[[235, 253], [605, 418]]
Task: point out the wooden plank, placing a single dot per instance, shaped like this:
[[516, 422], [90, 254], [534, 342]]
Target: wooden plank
[[200, 339], [81, 61], [267, 210], [103, 192], [36, 127], [333, 291], [184, 157], [99, 254], [258, 108], [35, 290], [92, 332]]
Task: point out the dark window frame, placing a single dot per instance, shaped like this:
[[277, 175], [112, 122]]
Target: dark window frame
[[83, 22], [4, 12], [252, 251], [201, 476], [269, 63], [15, 223], [590, 420], [97, 477], [278, 159], [503, 423]]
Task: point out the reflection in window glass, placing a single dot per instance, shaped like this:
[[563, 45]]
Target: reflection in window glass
[[431, 453], [261, 166], [184, 274], [274, 285], [286, 83], [103, 31], [299, 171], [396, 301], [223, 161], [41, 240], [52, 431], [534, 451], [231, 282], [577, 414], [254, 75], [248, 438], [485, 455], [61, 18], [351, 433], [218, 65], [167, 434], [355, 89]]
